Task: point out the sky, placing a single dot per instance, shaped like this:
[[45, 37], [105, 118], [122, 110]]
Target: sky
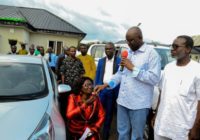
[[108, 20]]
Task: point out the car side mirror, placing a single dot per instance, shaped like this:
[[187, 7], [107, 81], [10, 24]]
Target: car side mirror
[[63, 88]]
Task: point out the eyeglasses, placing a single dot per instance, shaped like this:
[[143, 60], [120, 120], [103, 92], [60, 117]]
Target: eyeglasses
[[175, 46], [88, 85]]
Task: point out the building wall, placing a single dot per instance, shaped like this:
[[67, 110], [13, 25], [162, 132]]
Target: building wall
[[43, 39], [25, 36], [19, 34], [195, 57], [196, 39]]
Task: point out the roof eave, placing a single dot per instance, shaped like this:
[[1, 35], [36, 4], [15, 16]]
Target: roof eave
[[60, 32]]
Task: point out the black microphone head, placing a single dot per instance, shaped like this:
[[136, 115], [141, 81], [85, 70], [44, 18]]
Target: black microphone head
[[121, 68]]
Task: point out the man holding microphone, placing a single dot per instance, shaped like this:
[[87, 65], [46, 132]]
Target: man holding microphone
[[138, 74]]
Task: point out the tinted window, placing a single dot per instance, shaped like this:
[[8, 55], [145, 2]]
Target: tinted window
[[119, 50], [21, 79], [165, 55]]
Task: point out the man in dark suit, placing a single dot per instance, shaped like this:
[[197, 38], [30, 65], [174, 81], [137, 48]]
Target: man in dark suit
[[60, 59], [107, 66]]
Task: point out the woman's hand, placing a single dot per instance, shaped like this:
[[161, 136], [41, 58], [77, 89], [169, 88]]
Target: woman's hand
[[91, 100]]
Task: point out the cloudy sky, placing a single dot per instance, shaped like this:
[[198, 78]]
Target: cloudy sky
[[108, 20]]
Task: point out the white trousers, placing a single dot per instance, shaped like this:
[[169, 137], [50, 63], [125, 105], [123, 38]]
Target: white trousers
[[158, 137]]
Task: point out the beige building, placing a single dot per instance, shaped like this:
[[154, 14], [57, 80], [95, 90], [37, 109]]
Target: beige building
[[36, 26], [195, 54]]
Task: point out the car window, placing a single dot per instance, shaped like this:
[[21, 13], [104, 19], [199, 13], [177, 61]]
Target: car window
[[19, 79], [165, 55], [119, 50], [98, 51]]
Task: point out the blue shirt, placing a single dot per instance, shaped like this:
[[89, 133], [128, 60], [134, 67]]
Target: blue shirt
[[136, 89], [52, 63]]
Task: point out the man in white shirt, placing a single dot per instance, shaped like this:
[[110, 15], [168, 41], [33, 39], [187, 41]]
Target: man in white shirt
[[31, 50], [178, 116]]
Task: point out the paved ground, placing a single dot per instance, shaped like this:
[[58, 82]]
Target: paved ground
[[113, 131]]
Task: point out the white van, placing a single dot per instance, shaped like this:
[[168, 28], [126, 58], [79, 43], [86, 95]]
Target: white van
[[97, 51]]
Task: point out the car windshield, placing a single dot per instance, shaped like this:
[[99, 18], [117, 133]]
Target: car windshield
[[165, 55], [21, 79]]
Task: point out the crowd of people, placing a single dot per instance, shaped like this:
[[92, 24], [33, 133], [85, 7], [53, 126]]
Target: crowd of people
[[128, 83]]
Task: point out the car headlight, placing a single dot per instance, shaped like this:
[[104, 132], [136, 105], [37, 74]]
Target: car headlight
[[45, 130]]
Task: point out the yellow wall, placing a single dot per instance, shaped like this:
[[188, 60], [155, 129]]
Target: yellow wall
[[195, 57], [18, 34], [43, 39], [28, 37]]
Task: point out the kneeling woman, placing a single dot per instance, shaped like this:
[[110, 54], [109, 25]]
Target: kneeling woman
[[84, 113]]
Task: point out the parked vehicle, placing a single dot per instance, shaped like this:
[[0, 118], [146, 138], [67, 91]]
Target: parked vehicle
[[97, 51], [28, 100]]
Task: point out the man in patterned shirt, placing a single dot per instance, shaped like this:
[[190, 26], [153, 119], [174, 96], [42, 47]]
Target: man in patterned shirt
[[71, 72], [72, 69]]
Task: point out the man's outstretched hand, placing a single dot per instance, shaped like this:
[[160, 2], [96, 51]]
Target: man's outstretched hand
[[98, 88]]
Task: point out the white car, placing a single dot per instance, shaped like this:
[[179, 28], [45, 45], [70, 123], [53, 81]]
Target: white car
[[28, 100], [98, 51]]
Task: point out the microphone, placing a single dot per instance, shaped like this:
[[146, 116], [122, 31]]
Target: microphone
[[124, 54]]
